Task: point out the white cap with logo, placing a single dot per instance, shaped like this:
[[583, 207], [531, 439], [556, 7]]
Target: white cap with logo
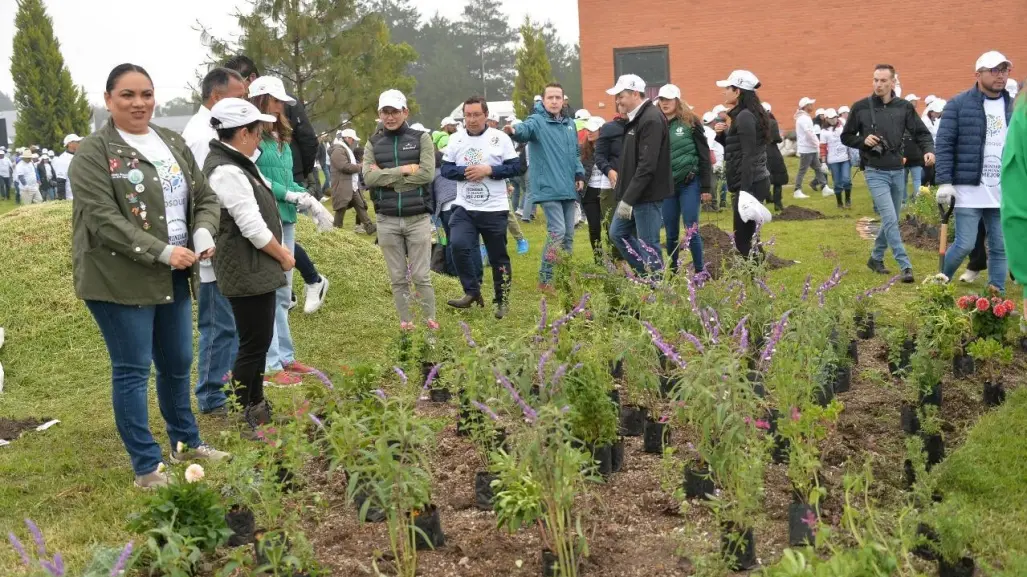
[[270, 85], [392, 99], [447, 121], [349, 133], [493, 116], [418, 126], [669, 92], [843, 110], [912, 97], [627, 82], [936, 105], [991, 60], [708, 117], [766, 106], [538, 98], [819, 112], [831, 113], [1012, 87], [742, 79], [805, 101], [719, 108], [930, 98], [235, 112], [582, 114], [594, 123]]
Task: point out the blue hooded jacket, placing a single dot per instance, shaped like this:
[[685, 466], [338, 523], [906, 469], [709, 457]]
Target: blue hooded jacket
[[554, 159], [962, 131]]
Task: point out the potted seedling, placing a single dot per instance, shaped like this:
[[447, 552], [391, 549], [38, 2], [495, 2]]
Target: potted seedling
[[900, 344], [992, 357], [805, 430], [593, 417], [954, 533], [488, 438], [863, 309]]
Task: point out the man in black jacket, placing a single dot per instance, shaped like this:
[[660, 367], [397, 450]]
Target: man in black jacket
[[644, 179], [609, 146], [876, 127]]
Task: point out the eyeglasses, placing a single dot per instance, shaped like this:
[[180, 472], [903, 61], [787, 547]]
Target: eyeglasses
[[390, 112], [474, 115], [998, 70]]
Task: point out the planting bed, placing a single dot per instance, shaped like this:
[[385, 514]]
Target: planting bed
[[795, 212], [718, 247], [11, 429]]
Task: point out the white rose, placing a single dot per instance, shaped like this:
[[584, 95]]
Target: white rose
[[193, 473]]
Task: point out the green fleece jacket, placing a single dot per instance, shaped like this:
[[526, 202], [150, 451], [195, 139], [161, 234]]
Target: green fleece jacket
[[684, 157], [275, 163], [1014, 191]]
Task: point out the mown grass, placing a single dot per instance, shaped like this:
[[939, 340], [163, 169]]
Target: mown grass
[[75, 479]]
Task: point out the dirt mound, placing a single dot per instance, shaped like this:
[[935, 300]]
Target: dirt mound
[[922, 236], [10, 429], [793, 212], [718, 246]]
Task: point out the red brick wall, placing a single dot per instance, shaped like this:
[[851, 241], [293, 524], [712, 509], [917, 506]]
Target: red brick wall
[[800, 47]]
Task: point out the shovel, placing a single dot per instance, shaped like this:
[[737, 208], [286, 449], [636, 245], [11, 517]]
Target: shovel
[[943, 236]]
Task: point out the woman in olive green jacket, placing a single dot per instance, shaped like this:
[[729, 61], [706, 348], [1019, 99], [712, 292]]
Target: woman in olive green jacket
[[143, 217]]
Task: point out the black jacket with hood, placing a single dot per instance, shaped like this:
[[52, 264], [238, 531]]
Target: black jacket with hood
[[609, 145], [745, 150], [645, 174]]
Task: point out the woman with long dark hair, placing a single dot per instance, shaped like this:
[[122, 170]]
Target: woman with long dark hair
[[691, 171], [776, 161], [143, 217], [745, 137]]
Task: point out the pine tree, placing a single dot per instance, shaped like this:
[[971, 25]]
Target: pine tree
[[488, 47], [49, 105], [533, 69]]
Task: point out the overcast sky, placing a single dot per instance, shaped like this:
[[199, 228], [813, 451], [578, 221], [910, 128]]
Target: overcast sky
[[96, 35]]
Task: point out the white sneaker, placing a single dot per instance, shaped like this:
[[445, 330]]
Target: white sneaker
[[798, 194], [359, 229], [969, 276], [828, 191], [158, 478], [519, 212], [316, 295]]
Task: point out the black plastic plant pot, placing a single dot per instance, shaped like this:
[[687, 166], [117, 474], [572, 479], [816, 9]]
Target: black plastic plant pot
[[439, 395], [603, 456], [430, 524], [738, 546], [934, 446], [483, 493], [654, 436], [615, 397], [802, 523], [908, 474], [240, 522], [865, 326], [617, 455], [426, 370], [962, 365], [667, 385], [264, 540], [823, 393], [1023, 344], [698, 483], [756, 380], [617, 369], [842, 379], [854, 351], [550, 563], [964, 567], [467, 420], [374, 514], [910, 419], [994, 394], [926, 537], [632, 420], [664, 360], [932, 398]]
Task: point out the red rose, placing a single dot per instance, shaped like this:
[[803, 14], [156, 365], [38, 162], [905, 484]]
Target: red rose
[[982, 304]]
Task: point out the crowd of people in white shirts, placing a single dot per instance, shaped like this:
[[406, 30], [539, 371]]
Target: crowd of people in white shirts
[[33, 174]]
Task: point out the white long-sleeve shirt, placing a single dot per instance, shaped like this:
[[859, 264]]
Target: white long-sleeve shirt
[[805, 135], [235, 194], [6, 168], [198, 133], [61, 164]]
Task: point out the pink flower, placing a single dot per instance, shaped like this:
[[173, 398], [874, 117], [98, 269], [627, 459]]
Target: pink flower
[[810, 520], [796, 415], [406, 326], [982, 304], [762, 424], [433, 324], [746, 420]]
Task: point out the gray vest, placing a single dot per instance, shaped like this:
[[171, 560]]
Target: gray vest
[[241, 268]]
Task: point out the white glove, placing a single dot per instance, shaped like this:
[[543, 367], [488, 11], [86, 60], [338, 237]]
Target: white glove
[[294, 197], [823, 169], [624, 210], [945, 194]]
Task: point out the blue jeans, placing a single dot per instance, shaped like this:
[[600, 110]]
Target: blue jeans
[[219, 344], [918, 176], [281, 352], [886, 188], [527, 205], [967, 220], [683, 205], [515, 197], [841, 175], [5, 187], [638, 239], [136, 337], [559, 235]]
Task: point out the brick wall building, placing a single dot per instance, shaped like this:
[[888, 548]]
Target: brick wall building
[[825, 50]]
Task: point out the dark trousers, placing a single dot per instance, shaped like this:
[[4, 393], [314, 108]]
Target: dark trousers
[[444, 216], [465, 227], [979, 255], [5, 187], [744, 231], [255, 322], [594, 215], [306, 266], [777, 197], [62, 189], [360, 207]]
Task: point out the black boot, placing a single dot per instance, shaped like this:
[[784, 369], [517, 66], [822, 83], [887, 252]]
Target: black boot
[[877, 266], [466, 301]]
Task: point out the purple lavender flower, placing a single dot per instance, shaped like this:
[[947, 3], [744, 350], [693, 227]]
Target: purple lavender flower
[[542, 365], [401, 374], [20, 549], [766, 289], [578, 309], [558, 375], [434, 372], [483, 408], [883, 288], [661, 344], [545, 314], [694, 340], [578, 366], [467, 335], [576, 348], [805, 289], [55, 568], [316, 420], [122, 559], [741, 333], [691, 296], [714, 324], [529, 413], [744, 341], [37, 536], [380, 394], [323, 378], [775, 336]]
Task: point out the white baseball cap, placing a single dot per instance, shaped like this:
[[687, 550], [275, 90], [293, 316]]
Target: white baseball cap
[[493, 116], [392, 99], [708, 117], [594, 123], [805, 101], [991, 60], [766, 106], [234, 112], [669, 91], [818, 112], [741, 79], [627, 82], [270, 85], [447, 121], [538, 98], [936, 105], [912, 97], [930, 98], [349, 133], [843, 110], [1013, 87], [582, 115], [515, 121], [719, 108], [418, 126], [831, 113]]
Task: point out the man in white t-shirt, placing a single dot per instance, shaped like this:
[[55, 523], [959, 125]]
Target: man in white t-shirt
[[480, 159], [6, 171], [219, 342], [28, 179], [62, 163], [808, 148], [969, 144]]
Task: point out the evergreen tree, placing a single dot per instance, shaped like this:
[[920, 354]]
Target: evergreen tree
[[566, 63], [49, 105], [441, 72], [533, 69], [490, 47], [332, 56]]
